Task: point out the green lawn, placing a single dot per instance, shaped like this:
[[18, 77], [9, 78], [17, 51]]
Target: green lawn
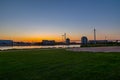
[[58, 64]]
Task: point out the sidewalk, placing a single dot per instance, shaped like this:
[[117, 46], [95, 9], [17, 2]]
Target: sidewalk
[[97, 49]]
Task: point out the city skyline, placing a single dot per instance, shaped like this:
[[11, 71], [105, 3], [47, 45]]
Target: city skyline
[[36, 20]]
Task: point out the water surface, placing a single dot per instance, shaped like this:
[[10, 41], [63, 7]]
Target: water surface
[[31, 47]]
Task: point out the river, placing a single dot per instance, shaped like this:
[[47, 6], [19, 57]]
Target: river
[[32, 47]]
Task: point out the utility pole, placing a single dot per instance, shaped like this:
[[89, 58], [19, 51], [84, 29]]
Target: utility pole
[[105, 37], [94, 35], [65, 36], [105, 40], [62, 38]]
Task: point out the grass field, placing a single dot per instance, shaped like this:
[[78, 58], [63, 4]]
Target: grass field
[[58, 64]]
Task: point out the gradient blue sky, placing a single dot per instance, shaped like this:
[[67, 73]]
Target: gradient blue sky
[[34, 20]]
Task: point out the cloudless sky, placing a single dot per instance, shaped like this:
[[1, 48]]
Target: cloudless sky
[[34, 20]]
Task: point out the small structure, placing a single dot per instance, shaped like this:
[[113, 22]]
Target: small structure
[[48, 42], [67, 41], [84, 41], [6, 43]]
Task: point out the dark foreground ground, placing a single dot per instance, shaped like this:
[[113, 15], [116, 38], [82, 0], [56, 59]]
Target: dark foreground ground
[[59, 64]]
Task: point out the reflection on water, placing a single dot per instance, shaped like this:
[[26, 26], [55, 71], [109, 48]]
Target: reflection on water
[[30, 47]]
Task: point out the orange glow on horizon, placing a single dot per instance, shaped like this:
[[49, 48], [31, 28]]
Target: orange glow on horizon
[[31, 39], [57, 38], [37, 39]]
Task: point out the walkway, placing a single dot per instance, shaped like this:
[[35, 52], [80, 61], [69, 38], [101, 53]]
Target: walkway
[[97, 49]]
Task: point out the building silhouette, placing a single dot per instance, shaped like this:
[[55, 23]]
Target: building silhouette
[[48, 42], [67, 41], [6, 43], [84, 40]]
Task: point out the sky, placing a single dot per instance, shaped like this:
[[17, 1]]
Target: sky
[[36, 20]]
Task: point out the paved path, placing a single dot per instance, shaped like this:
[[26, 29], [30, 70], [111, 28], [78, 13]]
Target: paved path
[[97, 49]]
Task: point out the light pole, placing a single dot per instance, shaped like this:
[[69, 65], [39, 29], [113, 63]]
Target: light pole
[[94, 35]]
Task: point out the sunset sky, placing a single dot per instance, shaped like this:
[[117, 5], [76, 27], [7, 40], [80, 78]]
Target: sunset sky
[[35, 20]]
